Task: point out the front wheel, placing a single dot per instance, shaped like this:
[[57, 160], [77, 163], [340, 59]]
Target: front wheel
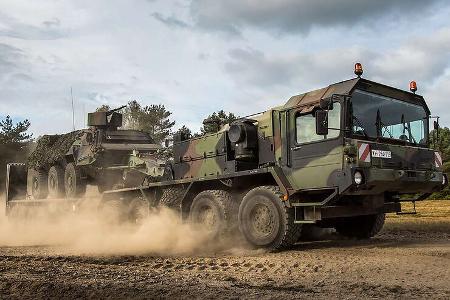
[[266, 221], [361, 227]]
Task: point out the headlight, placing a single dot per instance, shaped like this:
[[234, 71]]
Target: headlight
[[358, 178]]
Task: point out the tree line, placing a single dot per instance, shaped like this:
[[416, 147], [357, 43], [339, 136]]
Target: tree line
[[155, 120]]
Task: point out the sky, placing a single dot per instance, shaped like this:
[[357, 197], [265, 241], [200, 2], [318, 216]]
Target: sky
[[200, 56]]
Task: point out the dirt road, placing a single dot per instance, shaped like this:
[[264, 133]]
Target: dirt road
[[409, 259]]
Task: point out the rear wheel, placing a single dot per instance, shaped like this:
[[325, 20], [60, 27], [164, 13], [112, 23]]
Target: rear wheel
[[39, 184], [74, 183], [56, 182], [212, 210], [266, 221], [361, 227]]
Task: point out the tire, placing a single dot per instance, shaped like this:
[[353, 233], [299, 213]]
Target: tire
[[212, 209], [55, 182], [138, 211], [265, 221], [74, 183], [172, 196], [39, 184], [361, 227]]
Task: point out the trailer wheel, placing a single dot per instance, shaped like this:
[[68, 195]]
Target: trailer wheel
[[74, 184], [139, 210], [172, 196], [361, 227], [266, 221], [212, 209], [56, 182], [38, 184]]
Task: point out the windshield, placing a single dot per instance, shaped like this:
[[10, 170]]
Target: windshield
[[379, 116]]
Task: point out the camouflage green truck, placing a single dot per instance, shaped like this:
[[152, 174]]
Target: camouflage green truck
[[342, 156]]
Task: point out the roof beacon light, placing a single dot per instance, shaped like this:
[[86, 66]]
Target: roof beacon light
[[413, 86], [358, 69]]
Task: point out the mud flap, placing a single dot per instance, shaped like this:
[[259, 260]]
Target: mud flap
[[16, 183]]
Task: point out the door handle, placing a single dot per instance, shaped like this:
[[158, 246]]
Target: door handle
[[296, 148]]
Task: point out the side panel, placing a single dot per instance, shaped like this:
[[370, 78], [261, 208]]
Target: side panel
[[16, 182], [313, 165], [200, 157]]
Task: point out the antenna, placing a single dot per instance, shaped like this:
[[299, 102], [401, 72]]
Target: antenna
[[73, 110]]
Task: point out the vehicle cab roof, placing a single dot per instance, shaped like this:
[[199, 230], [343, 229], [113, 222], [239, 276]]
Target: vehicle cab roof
[[312, 99]]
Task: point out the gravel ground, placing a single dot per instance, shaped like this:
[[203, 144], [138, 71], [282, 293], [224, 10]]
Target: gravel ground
[[404, 264], [398, 263]]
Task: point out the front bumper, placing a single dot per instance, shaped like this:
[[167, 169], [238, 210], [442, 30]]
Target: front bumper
[[378, 181]]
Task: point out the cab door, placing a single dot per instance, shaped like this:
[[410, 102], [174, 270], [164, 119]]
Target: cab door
[[315, 161]]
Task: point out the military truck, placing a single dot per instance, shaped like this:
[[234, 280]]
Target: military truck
[[342, 156], [102, 155]]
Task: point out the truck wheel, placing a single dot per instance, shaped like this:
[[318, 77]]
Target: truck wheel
[[113, 211], [74, 184], [361, 227], [56, 182], [172, 196], [212, 210], [138, 211], [266, 221], [39, 184]]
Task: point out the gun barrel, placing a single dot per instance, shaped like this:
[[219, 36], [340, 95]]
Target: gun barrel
[[115, 109]]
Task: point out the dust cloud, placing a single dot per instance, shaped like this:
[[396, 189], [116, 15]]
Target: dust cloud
[[90, 231]]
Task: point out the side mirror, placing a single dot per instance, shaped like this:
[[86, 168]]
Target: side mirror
[[326, 103], [436, 125], [321, 122]]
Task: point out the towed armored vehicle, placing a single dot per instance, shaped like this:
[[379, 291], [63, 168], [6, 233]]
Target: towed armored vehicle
[[102, 155], [342, 156]]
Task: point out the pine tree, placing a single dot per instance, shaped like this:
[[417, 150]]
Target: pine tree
[[14, 134], [214, 122]]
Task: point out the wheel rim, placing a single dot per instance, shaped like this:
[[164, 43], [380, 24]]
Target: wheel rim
[[52, 184], [262, 220], [35, 185], [70, 184]]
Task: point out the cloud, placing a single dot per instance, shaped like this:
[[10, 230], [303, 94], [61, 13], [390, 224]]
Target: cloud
[[47, 30], [299, 16], [424, 62], [170, 21], [12, 61]]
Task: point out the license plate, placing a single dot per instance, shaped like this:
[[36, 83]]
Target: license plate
[[381, 154]]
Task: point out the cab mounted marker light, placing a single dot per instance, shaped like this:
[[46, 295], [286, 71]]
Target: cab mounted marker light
[[358, 69], [413, 86]]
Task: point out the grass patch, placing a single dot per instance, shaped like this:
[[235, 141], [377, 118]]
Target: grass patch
[[432, 216]]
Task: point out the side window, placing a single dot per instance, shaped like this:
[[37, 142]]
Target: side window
[[306, 126]]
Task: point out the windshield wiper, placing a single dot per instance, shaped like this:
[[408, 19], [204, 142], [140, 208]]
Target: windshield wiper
[[408, 129], [359, 123], [380, 126]]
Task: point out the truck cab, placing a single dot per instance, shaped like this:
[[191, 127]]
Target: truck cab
[[374, 139]]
